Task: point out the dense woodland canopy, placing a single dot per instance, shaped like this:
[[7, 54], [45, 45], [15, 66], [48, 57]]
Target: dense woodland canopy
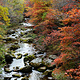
[[57, 25]]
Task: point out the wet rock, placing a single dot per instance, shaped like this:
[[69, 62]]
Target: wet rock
[[26, 63], [10, 31], [26, 69], [8, 39], [25, 33], [25, 78], [8, 58], [17, 67], [50, 78], [13, 55], [15, 42], [19, 54], [14, 47], [47, 62], [16, 75], [27, 40], [22, 28], [52, 57], [7, 78], [36, 62], [47, 72], [42, 69], [29, 58], [25, 54], [40, 53], [19, 57], [7, 70], [22, 33], [7, 66]]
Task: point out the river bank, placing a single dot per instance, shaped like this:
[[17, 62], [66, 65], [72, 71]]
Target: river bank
[[23, 60]]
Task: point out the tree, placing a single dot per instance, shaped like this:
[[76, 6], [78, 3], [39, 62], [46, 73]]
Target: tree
[[16, 9], [4, 15]]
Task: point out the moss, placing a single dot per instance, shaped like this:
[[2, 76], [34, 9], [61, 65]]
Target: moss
[[16, 75], [2, 51], [59, 76], [31, 35], [25, 54], [71, 65], [19, 57], [30, 57]]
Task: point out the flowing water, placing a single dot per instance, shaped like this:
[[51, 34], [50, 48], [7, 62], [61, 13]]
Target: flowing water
[[24, 48]]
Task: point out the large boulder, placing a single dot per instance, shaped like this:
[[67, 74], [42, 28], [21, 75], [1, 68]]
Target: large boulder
[[47, 62], [36, 62], [26, 69], [8, 58]]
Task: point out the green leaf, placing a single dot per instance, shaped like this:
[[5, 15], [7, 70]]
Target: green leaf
[[44, 15]]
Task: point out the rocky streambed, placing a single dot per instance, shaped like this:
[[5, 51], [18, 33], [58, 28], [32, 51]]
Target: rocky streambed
[[23, 61]]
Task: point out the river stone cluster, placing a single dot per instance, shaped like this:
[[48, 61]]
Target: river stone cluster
[[37, 61]]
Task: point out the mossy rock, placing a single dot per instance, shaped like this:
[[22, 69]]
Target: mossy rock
[[7, 70], [10, 32], [52, 57], [19, 57], [13, 55], [26, 40], [47, 62], [8, 58], [9, 39], [26, 69], [19, 54], [25, 78], [14, 47], [29, 58], [7, 78], [25, 54], [16, 75], [42, 69], [31, 35], [36, 62], [47, 72], [23, 28]]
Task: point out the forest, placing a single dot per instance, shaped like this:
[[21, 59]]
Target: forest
[[54, 30]]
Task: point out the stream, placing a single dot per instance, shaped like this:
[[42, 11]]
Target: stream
[[15, 69]]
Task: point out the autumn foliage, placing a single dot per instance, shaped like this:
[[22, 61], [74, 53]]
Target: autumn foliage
[[59, 31]]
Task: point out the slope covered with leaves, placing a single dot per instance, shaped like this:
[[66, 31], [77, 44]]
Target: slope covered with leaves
[[58, 30]]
